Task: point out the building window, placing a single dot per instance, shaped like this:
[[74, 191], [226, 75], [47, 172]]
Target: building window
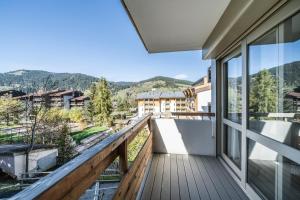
[[274, 83], [233, 89]]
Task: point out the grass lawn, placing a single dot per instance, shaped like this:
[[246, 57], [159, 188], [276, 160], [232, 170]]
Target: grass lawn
[[5, 138], [78, 136], [9, 126]]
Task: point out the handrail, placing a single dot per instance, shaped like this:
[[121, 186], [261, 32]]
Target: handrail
[[193, 114], [73, 178]]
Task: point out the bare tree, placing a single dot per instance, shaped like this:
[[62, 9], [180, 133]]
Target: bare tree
[[36, 113]]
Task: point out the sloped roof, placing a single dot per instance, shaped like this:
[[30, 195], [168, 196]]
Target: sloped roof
[[294, 95], [160, 95]]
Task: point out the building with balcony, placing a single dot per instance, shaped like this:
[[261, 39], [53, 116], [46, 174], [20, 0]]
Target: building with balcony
[[198, 96], [54, 98], [79, 102], [249, 149], [160, 102]]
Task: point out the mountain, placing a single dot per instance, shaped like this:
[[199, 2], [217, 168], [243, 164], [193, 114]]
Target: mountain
[[159, 83], [168, 80], [32, 80]]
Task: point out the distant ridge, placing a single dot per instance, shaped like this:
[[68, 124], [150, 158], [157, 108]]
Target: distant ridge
[[32, 80]]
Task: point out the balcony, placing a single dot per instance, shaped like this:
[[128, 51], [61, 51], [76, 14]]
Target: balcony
[[177, 161], [173, 176]]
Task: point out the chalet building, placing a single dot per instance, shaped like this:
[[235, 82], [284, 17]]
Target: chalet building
[[250, 146], [160, 102], [198, 96], [12, 93], [63, 99], [54, 98], [295, 96], [79, 102]]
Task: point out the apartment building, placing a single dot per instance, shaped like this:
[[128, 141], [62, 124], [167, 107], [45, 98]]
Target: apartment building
[[54, 98], [160, 102]]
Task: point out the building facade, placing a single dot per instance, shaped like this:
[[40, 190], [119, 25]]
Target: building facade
[[198, 96], [53, 99], [79, 102], [160, 102]]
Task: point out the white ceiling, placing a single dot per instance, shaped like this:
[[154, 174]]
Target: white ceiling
[[175, 25]]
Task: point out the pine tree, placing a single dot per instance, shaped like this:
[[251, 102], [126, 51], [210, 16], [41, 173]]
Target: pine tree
[[263, 93], [65, 146], [102, 103], [91, 107]]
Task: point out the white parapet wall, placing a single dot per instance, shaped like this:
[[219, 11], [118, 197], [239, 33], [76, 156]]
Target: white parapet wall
[[40, 160], [183, 136]]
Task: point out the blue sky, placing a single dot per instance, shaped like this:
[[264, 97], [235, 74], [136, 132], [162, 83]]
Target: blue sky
[[94, 37]]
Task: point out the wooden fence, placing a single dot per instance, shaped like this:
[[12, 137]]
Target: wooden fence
[[72, 179]]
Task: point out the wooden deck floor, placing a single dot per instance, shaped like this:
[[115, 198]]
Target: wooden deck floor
[[189, 177]]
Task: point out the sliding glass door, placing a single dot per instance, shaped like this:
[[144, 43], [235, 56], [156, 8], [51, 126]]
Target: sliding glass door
[[232, 112], [273, 112], [261, 111]]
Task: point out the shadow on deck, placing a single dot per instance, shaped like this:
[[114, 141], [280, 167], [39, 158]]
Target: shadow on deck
[[173, 176]]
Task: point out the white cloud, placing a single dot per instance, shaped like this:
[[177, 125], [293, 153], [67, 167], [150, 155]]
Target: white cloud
[[181, 76]]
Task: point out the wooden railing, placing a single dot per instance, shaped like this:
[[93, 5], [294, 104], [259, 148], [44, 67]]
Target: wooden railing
[[193, 114], [71, 180]]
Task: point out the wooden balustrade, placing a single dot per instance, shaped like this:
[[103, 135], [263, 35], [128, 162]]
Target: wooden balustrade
[[71, 180]]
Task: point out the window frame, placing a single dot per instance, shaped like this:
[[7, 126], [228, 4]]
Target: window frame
[[236, 170]]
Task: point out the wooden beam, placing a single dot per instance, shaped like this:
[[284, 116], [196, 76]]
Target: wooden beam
[[125, 183], [123, 157], [71, 187]]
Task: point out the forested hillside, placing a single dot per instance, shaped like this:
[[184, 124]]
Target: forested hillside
[[33, 80]]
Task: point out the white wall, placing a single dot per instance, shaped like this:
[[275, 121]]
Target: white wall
[[204, 99], [39, 160], [163, 105], [181, 136], [157, 109], [141, 110], [172, 105]]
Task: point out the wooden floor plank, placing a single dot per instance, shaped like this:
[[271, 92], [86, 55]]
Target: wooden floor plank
[[183, 186], [183, 177], [193, 190], [199, 180], [222, 179], [156, 191], [146, 194], [218, 185], [174, 178], [240, 192], [166, 179], [207, 180]]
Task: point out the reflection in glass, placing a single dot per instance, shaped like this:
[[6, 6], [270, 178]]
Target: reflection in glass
[[272, 175], [232, 145], [274, 84], [233, 89]]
